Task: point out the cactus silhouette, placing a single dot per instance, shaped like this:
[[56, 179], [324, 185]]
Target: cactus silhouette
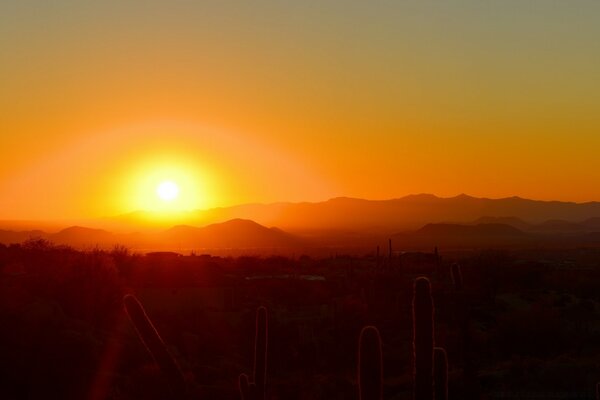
[[255, 390], [423, 339], [370, 367], [155, 345], [430, 363], [440, 373], [456, 274]]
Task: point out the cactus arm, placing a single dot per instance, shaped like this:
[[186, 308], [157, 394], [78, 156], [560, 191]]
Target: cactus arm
[[155, 345]]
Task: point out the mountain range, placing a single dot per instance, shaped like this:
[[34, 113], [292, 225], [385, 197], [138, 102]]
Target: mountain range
[[415, 221], [406, 213], [233, 234]]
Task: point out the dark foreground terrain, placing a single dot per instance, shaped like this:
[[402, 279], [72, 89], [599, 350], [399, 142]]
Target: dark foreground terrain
[[523, 325]]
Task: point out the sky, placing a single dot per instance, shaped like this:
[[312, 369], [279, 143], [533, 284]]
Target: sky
[[266, 101]]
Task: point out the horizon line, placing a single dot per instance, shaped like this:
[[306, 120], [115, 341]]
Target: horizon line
[[179, 212]]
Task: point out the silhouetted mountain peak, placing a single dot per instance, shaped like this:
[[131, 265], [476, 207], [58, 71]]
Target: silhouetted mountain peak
[[342, 200], [81, 230], [238, 224], [464, 196], [235, 233], [78, 235], [241, 222], [420, 197]]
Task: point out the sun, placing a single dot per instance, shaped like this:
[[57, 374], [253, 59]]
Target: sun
[[167, 190], [166, 186]]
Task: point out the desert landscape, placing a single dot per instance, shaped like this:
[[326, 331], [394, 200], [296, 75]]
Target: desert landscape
[[299, 200]]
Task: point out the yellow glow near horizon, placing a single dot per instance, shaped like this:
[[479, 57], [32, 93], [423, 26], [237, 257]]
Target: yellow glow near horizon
[[167, 185]]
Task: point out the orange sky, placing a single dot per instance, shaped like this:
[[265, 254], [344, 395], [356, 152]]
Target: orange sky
[[272, 101]]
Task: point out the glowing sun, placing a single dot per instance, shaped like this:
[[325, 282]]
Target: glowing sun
[[167, 190]]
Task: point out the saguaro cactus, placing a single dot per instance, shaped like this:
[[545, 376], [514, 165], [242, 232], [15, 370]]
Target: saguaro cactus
[[456, 274], [155, 345], [440, 373], [255, 389], [423, 339], [370, 366]]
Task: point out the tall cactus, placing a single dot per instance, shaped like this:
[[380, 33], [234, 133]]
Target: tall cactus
[[440, 373], [456, 275], [155, 345], [423, 339], [255, 390], [430, 363], [370, 366]]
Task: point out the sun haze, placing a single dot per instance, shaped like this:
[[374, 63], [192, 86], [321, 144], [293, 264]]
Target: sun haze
[[288, 101]]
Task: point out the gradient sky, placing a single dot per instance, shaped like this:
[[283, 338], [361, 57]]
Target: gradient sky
[[262, 101]]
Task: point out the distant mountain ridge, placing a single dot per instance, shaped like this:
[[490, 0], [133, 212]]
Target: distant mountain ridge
[[339, 222], [451, 236], [247, 235], [237, 233], [499, 230], [351, 214], [549, 226], [511, 221]]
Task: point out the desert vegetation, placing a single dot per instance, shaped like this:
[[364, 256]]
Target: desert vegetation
[[116, 325]]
